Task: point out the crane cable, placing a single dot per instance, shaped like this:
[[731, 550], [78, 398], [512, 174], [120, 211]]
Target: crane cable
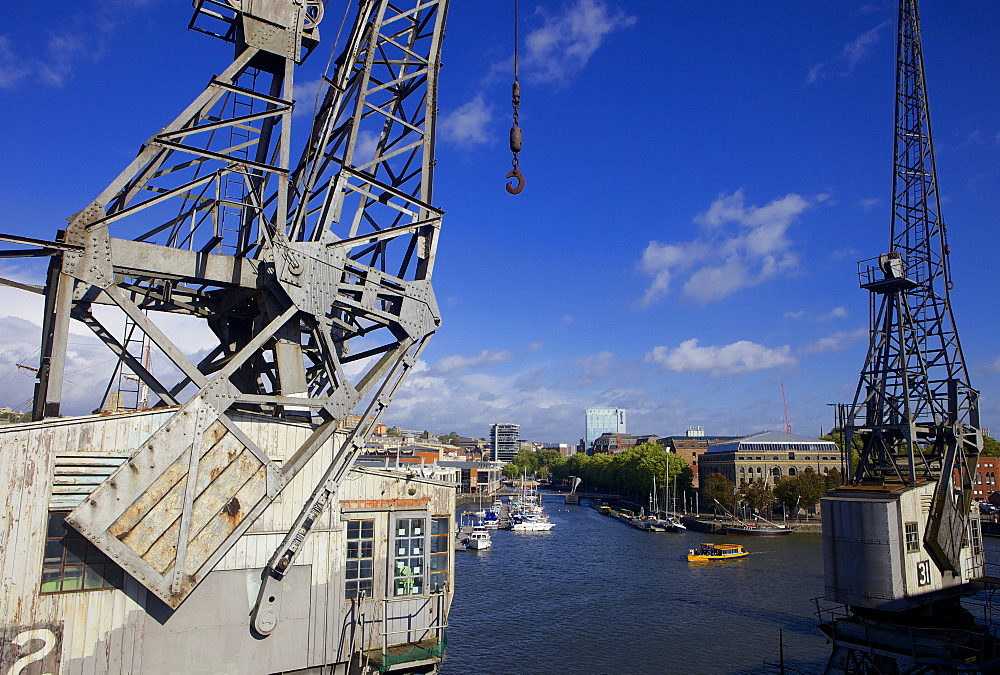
[[515, 186]]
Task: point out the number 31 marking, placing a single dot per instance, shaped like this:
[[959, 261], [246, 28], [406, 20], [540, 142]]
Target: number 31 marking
[[924, 573]]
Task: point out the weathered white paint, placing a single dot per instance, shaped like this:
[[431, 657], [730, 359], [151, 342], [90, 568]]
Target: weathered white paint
[[131, 631]]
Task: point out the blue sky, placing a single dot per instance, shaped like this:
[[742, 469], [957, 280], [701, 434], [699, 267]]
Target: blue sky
[[702, 178]]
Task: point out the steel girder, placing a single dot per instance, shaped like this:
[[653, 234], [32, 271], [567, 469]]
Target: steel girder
[[313, 275]]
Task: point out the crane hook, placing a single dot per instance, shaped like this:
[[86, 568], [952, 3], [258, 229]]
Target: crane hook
[[512, 187], [515, 186]]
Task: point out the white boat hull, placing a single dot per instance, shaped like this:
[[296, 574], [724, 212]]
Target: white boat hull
[[532, 527]]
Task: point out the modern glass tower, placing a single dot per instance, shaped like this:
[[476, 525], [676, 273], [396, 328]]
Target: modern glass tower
[[603, 421], [504, 441]]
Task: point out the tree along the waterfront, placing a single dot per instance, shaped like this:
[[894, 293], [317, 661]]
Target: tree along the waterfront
[[801, 491], [758, 495], [720, 492], [539, 463], [628, 473]]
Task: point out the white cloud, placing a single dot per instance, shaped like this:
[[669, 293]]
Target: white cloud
[[88, 366], [868, 203], [596, 366], [564, 43], [835, 313], [796, 314], [850, 55], [12, 67], [836, 342], [466, 125], [739, 357], [456, 363], [740, 246], [64, 50], [304, 94], [88, 361], [470, 403]]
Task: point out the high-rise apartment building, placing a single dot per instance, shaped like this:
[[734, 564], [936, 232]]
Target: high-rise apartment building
[[603, 421], [504, 441]]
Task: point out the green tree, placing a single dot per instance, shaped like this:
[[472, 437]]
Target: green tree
[[991, 448], [837, 436], [802, 491], [597, 472], [834, 479], [719, 490], [786, 491], [811, 488], [548, 461], [758, 495]]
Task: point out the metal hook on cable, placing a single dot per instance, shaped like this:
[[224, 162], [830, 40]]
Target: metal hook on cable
[[515, 146], [515, 131], [512, 187]]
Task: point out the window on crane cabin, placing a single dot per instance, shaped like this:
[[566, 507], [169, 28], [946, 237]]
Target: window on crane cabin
[[440, 549], [977, 542], [360, 563], [912, 538], [72, 563], [409, 549], [421, 550]]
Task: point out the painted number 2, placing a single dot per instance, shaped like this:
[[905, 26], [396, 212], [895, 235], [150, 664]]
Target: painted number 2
[[924, 573], [41, 642]]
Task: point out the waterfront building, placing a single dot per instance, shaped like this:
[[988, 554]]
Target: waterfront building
[[768, 456], [612, 444], [504, 441], [602, 421], [476, 477], [564, 449], [985, 480], [691, 446]]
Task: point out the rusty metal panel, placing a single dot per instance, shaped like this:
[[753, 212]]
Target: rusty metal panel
[[171, 511]]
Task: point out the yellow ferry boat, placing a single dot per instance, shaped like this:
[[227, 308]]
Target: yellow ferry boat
[[713, 552]]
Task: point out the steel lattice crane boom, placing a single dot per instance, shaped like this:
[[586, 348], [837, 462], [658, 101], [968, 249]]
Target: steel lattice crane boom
[[313, 274], [902, 538]]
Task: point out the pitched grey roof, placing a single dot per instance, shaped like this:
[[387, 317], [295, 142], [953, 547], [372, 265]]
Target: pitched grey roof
[[766, 437]]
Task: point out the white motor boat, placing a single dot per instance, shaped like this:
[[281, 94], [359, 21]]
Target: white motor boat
[[479, 539], [532, 523]]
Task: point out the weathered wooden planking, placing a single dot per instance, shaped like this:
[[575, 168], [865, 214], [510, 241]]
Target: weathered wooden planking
[[138, 515], [152, 514]]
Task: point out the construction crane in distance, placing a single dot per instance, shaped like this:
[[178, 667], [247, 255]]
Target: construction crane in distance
[[902, 539]]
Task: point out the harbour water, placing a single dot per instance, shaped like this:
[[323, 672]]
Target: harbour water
[[597, 596]]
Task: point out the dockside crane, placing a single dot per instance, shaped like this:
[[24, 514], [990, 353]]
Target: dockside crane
[[902, 539], [314, 274]]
